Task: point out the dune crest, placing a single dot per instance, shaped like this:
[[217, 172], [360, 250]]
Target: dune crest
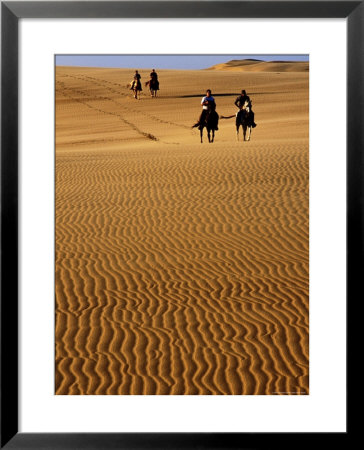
[[255, 65]]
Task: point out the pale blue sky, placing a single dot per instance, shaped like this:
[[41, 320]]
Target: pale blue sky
[[163, 61]]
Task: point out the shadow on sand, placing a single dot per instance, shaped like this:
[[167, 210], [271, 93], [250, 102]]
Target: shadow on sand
[[228, 94]]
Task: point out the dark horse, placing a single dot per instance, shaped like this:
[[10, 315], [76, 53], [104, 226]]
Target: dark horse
[[153, 84], [244, 118], [209, 120]]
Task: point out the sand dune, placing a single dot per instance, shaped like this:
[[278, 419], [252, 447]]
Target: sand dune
[[255, 65], [181, 268]]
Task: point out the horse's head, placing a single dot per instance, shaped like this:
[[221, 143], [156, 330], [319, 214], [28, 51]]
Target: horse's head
[[246, 107]]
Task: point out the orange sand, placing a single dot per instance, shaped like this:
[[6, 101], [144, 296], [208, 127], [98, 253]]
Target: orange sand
[[181, 268]]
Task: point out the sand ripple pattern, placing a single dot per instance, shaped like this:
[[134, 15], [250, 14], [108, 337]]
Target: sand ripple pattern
[[183, 273]]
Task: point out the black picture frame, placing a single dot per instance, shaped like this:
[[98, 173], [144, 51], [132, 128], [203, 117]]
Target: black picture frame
[[11, 12]]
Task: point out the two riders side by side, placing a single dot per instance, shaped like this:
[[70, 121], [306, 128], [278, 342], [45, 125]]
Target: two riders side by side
[[209, 118], [153, 83]]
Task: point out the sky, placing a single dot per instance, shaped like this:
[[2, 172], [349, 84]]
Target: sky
[[163, 61]]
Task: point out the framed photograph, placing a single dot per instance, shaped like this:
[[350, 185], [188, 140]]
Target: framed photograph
[[181, 215]]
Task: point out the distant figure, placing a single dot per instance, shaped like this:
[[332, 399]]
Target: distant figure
[[208, 106], [243, 100], [153, 83], [136, 85], [153, 75]]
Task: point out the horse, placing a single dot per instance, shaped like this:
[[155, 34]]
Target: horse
[[153, 86], [243, 118], [210, 122], [136, 87]]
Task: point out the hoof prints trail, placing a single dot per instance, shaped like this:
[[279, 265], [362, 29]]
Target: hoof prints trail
[[70, 93], [103, 84]]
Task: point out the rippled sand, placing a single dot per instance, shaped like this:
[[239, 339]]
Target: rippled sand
[[181, 268]]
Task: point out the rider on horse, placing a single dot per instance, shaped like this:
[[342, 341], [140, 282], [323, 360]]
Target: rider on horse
[[240, 101], [136, 84], [153, 75], [208, 105], [154, 83]]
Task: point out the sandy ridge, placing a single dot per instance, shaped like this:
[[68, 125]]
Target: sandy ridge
[[254, 65]]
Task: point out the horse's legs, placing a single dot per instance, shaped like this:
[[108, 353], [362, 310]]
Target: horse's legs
[[213, 135], [244, 132], [201, 132], [209, 134], [249, 133], [237, 132]]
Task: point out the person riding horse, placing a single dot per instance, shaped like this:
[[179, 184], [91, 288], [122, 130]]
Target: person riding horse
[[153, 83], [154, 76], [136, 84], [208, 106], [240, 101]]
